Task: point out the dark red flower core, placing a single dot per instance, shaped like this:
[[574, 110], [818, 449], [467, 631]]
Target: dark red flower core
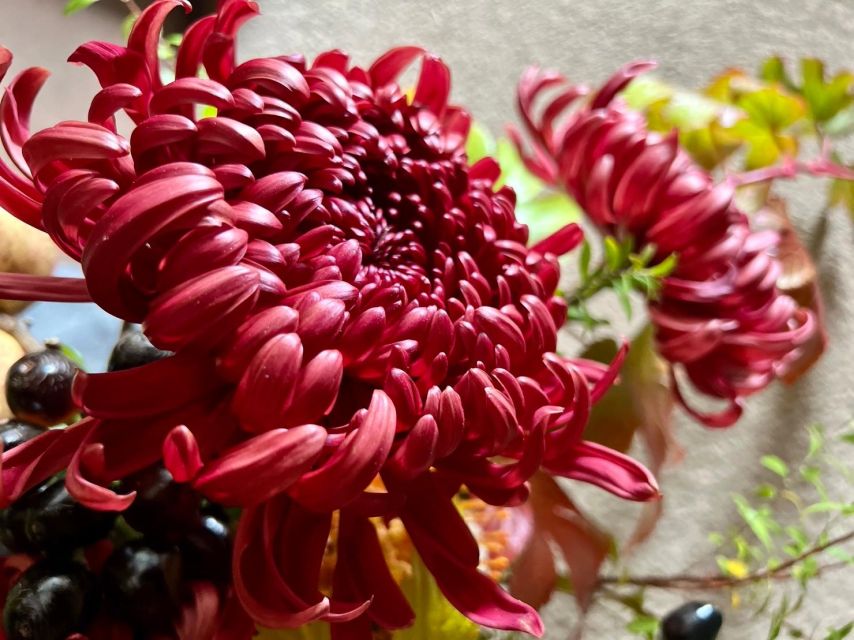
[[346, 298]]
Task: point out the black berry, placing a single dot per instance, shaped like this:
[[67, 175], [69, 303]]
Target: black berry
[[56, 522], [207, 550], [133, 349], [38, 387], [15, 432], [692, 621], [142, 585], [163, 510], [52, 600], [13, 521]]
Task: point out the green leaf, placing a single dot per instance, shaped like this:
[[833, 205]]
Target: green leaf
[[645, 626], [479, 144], [547, 213], [663, 268], [756, 520], [778, 618], [73, 6], [824, 99], [314, 631], [816, 434], [841, 632], [813, 476], [584, 261], [805, 570], [514, 173], [613, 254], [709, 146], [848, 437], [174, 39], [623, 289], [766, 491], [435, 617], [842, 195], [775, 465], [774, 70], [127, 25], [772, 109], [72, 354], [646, 90], [798, 536]]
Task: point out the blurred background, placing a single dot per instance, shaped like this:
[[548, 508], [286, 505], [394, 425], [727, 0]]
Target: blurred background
[[487, 45]]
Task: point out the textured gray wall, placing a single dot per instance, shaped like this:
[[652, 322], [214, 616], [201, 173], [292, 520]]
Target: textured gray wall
[[487, 44]]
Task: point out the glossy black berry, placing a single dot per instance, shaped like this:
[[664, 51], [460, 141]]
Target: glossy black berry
[[52, 600], [206, 551], [38, 387], [692, 621], [163, 510], [14, 432], [133, 349], [56, 522], [142, 585], [13, 520]]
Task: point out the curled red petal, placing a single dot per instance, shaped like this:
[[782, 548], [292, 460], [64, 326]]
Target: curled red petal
[[355, 463], [261, 467], [611, 470], [181, 454]]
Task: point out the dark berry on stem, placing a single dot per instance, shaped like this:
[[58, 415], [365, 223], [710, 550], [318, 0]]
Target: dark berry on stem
[[692, 621], [14, 432], [13, 520], [52, 600], [38, 387], [206, 551], [56, 522], [142, 585], [133, 349], [163, 509]]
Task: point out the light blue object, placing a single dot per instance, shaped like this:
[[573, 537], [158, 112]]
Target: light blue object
[[85, 327]]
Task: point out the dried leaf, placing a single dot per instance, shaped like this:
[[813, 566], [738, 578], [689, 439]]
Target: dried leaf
[[583, 546], [798, 280], [534, 574]]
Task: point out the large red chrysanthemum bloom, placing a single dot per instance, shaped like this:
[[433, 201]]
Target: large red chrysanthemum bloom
[[720, 315], [346, 298]]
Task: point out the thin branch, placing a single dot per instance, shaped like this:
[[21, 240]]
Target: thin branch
[[780, 572], [132, 7], [821, 167]]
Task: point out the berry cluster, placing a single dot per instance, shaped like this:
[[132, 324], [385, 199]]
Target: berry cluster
[[68, 568]]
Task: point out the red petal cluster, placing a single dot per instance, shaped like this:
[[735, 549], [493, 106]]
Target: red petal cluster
[[346, 298], [720, 315]]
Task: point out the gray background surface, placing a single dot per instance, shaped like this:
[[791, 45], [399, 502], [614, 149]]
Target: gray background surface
[[488, 44]]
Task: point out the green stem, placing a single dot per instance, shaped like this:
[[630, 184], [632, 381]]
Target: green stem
[[602, 278]]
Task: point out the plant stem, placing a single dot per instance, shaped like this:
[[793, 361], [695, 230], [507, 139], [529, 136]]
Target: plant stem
[[600, 279], [821, 167], [132, 7], [780, 572]]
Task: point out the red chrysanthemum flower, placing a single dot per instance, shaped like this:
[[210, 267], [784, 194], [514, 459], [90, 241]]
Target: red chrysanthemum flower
[[720, 315], [346, 298]]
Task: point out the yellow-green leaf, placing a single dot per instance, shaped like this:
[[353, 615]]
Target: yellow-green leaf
[[479, 144], [771, 108], [775, 465], [825, 99], [435, 617], [315, 631], [73, 6], [547, 213]]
